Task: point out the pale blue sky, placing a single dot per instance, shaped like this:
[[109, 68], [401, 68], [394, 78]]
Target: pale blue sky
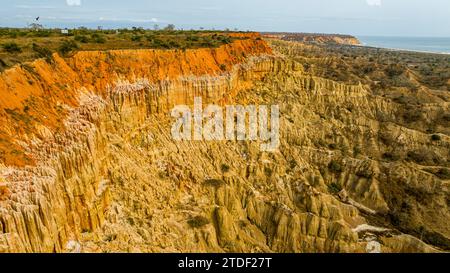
[[357, 17]]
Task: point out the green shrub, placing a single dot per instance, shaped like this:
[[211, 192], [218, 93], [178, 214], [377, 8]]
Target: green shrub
[[334, 166], [394, 70], [334, 188], [40, 33], [12, 47], [417, 156], [332, 146], [214, 182], [424, 157], [81, 38], [173, 44], [198, 221], [13, 34], [412, 115], [443, 174], [42, 52], [97, 38], [100, 40], [268, 171], [366, 173], [390, 156], [136, 38], [224, 168], [164, 44], [67, 47], [156, 42], [193, 38]]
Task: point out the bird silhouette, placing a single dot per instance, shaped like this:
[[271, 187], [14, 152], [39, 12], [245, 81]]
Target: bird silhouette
[[37, 18]]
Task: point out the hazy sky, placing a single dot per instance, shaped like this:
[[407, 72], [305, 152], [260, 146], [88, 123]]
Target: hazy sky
[[357, 17]]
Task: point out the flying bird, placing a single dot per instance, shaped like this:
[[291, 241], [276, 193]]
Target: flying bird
[[37, 18]]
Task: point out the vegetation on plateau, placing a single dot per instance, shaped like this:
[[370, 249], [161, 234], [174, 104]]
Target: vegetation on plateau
[[21, 45]]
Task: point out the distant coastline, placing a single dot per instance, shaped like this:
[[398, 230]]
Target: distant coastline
[[315, 38], [434, 45]]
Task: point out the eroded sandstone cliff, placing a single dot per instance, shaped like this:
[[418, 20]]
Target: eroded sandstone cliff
[[108, 177], [314, 38]]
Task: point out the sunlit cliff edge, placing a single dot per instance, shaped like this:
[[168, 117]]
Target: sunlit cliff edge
[[89, 165]]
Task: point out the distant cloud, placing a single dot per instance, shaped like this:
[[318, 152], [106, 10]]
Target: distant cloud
[[135, 20], [73, 2], [152, 20], [33, 7], [374, 3], [210, 8]]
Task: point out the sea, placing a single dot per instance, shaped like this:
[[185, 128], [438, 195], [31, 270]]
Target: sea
[[419, 44]]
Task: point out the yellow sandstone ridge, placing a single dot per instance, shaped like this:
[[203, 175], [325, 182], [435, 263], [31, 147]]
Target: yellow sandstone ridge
[[108, 176]]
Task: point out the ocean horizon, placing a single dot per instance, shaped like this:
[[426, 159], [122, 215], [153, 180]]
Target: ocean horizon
[[419, 44]]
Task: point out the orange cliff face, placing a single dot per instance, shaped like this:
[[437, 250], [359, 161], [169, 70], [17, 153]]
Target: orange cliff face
[[34, 96]]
